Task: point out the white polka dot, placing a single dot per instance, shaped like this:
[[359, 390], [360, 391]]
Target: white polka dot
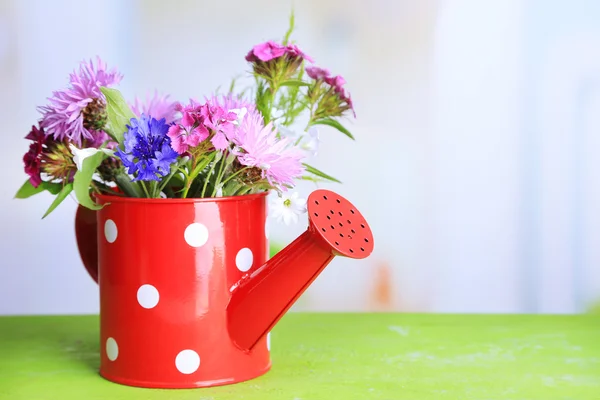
[[110, 231], [244, 259], [112, 349], [196, 234], [147, 296], [269, 341], [187, 361]]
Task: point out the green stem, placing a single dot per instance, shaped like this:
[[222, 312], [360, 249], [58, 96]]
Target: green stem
[[220, 174], [212, 168], [167, 179], [188, 180], [129, 188], [234, 175], [145, 189]]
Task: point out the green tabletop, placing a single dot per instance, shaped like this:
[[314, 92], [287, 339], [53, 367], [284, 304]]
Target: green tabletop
[[337, 356]]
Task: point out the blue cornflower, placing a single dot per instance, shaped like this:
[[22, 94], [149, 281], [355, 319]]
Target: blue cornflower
[[148, 154]]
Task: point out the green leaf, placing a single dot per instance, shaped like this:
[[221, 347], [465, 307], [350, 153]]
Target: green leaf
[[321, 174], [83, 180], [68, 188], [294, 83], [27, 190], [131, 189], [119, 113], [335, 124]]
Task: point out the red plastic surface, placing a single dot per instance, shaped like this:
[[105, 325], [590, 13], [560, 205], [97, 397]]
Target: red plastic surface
[[186, 296], [259, 301], [159, 344], [85, 231]]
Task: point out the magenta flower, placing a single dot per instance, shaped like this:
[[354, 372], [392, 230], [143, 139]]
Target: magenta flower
[[220, 122], [190, 130], [337, 84], [275, 61], [266, 52], [198, 122], [271, 50], [317, 73], [294, 52], [157, 106], [78, 113], [258, 146]]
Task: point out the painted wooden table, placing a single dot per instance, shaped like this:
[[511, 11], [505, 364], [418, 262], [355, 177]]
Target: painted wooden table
[[337, 356]]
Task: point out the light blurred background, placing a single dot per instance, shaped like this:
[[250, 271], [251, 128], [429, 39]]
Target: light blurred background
[[476, 154]]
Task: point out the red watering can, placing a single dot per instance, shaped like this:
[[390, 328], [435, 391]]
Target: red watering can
[[187, 296]]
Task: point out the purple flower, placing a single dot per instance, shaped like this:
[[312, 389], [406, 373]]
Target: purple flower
[[266, 52], [258, 147], [317, 73], [147, 152], [159, 106], [78, 113]]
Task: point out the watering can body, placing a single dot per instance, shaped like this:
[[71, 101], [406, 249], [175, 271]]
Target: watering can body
[[187, 296]]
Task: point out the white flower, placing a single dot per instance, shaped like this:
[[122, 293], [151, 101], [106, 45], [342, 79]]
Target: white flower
[[310, 141], [241, 113], [81, 154], [287, 208]]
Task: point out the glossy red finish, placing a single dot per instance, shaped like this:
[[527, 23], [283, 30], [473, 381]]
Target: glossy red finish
[[151, 247], [85, 231], [263, 297], [187, 297]]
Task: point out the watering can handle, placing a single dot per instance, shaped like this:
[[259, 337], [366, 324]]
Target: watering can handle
[[86, 235]]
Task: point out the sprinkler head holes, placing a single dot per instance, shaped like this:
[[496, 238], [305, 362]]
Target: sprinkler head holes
[[340, 224]]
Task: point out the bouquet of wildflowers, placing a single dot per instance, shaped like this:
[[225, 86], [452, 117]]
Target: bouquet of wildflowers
[[90, 140]]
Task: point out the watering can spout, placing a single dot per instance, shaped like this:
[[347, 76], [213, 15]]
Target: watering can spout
[[261, 298]]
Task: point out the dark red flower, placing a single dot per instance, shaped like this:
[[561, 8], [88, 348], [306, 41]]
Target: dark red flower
[[33, 158]]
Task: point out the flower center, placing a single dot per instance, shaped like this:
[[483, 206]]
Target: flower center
[[94, 115], [287, 203]]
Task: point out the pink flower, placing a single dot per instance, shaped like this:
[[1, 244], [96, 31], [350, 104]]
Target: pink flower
[[337, 83], [220, 122], [190, 131], [198, 122], [294, 52], [231, 102], [265, 52], [279, 159], [157, 106], [317, 73], [78, 113]]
